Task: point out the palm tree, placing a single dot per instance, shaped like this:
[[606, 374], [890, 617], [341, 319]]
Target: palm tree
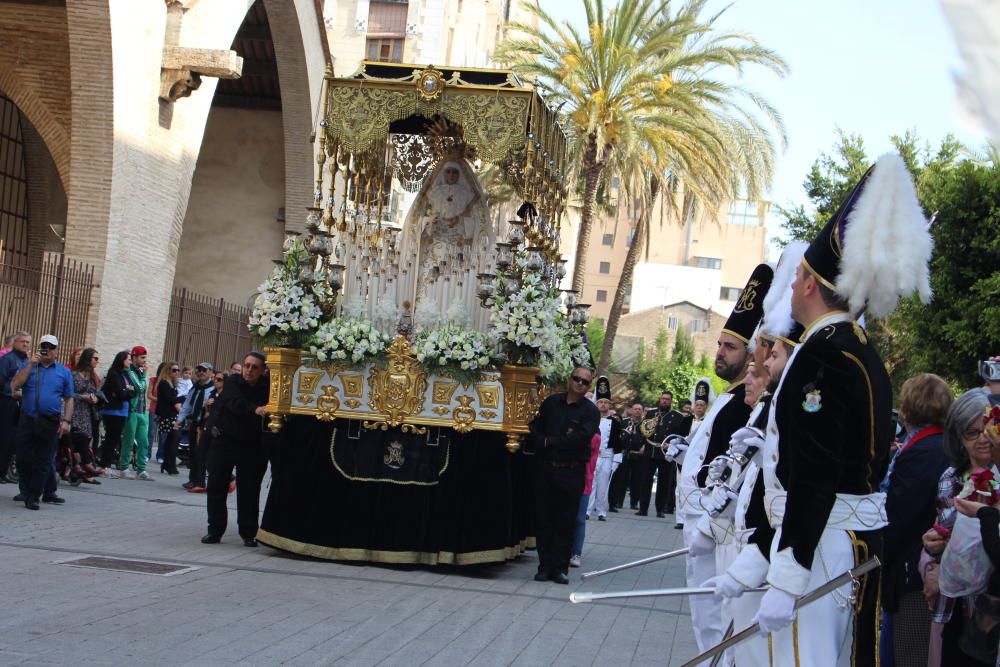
[[645, 96]]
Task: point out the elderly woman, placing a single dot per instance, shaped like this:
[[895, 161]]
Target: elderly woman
[[911, 504], [969, 452]]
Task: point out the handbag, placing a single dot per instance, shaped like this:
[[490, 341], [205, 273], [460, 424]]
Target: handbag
[[981, 633]]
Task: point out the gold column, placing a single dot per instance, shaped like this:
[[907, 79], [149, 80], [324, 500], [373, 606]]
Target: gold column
[[282, 362]]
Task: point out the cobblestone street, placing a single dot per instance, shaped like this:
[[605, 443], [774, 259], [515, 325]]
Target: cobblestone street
[[264, 607]]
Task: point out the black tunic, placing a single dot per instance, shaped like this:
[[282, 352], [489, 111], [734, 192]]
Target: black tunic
[[730, 418]]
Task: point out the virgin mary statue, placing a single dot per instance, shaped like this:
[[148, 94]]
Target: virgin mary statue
[[447, 240]]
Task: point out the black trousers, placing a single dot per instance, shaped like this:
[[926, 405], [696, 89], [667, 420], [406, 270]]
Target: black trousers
[[197, 442], [557, 501], [250, 462], [110, 450], [9, 413], [666, 484], [619, 483], [35, 459]]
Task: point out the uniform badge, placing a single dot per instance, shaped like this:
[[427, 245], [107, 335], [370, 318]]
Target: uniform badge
[[813, 402]]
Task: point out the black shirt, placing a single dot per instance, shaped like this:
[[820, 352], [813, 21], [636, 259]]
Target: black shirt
[[235, 406], [562, 431]]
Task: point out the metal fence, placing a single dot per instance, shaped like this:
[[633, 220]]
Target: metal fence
[[53, 297], [201, 328]]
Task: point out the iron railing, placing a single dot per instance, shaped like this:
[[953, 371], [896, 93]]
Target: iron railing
[[202, 328], [52, 297]]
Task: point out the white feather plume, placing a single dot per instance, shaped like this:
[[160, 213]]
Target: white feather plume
[[887, 244], [778, 302]]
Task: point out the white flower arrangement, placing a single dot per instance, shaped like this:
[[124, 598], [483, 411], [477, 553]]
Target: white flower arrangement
[[350, 338], [285, 311], [525, 319], [451, 347]]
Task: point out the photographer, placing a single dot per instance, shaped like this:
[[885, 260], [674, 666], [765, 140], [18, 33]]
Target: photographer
[[561, 434], [46, 414], [190, 417]]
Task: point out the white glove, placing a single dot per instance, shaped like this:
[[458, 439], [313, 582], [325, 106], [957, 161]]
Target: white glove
[[745, 438], [717, 468], [701, 544], [676, 446], [777, 611], [716, 502], [725, 586]]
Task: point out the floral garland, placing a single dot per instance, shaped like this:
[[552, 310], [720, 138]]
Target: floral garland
[[287, 312], [350, 338], [462, 352]]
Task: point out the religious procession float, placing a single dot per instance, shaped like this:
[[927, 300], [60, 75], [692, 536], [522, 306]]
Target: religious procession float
[[407, 358]]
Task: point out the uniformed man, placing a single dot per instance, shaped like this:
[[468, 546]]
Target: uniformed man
[[610, 429], [728, 414], [826, 447], [735, 501], [701, 398], [659, 424]]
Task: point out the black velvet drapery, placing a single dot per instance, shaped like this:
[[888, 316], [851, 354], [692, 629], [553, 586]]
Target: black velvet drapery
[[467, 502]]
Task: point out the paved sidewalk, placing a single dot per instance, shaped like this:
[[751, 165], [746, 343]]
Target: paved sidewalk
[[263, 607]]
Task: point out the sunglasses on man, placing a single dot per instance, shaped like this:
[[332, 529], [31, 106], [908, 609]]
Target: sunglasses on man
[[584, 381]]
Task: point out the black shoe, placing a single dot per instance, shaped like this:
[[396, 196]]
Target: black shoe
[[612, 509], [188, 485], [559, 578], [249, 542], [601, 518], [4, 479], [633, 507], [31, 504], [54, 500], [641, 513], [541, 576], [678, 526], [19, 498], [211, 539], [661, 515]]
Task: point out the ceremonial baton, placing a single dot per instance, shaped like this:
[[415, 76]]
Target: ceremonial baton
[[718, 658], [577, 598], [635, 563], [810, 597]]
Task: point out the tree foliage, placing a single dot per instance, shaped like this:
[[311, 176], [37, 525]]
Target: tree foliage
[[659, 370], [961, 325]]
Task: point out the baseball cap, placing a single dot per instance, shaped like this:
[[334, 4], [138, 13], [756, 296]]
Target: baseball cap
[[138, 351], [206, 366], [50, 339]]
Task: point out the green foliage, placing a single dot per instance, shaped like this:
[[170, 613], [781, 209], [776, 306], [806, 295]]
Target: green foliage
[[595, 337], [659, 370], [961, 325]]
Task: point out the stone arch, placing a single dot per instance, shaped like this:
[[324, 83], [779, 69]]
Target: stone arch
[[55, 136], [299, 56]]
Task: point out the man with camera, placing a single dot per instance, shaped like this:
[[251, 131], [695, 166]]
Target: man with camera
[[46, 410]]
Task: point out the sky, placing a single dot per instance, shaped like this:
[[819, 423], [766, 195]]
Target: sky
[[870, 67]]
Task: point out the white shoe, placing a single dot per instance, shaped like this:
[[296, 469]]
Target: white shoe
[[128, 474], [574, 561], [112, 473], [144, 476]]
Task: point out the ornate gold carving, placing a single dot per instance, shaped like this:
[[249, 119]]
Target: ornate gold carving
[[398, 390], [430, 84], [353, 385], [489, 396], [464, 415], [353, 403], [327, 404], [335, 367], [372, 426], [441, 410], [308, 381], [410, 428], [442, 392], [283, 362], [275, 422], [513, 442], [304, 399], [521, 397], [487, 414]]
